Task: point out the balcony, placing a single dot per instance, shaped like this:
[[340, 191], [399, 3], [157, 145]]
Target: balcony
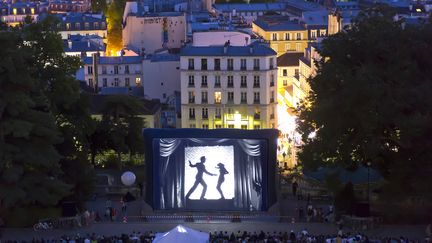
[[204, 67], [256, 85], [230, 68], [217, 85], [256, 68], [191, 68], [192, 101], [204, 101], [230, 85], [191, 85], [217, 68], [256, 101], [243, 85], [243, 68]]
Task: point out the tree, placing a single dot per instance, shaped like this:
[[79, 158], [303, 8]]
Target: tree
[[29, 169], [115, 26], [370, 102], [120, 113], [99, 6], [55, 74]]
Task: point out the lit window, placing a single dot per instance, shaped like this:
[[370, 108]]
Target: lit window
[[14, 11], [218, 97], [32, 11], [138, 81]]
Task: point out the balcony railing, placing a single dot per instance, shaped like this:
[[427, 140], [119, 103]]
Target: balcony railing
[[230, 68], [191, 101], [243, 68], [230, 85], [204, 101], [192, 117], [217, 85], [256, 68], [256, 101], [243, 85], [204, 85], [191, 67], [191, 85], [205, 117], [217, 68], [218, 117]]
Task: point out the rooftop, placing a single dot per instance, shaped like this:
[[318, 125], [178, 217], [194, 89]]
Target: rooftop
[[81, 46], [277, 23], [115, 60], [254, 49], [228, 7], [289, 59]]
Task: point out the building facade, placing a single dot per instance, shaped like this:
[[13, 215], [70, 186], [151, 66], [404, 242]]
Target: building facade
[[81, 24], [228, 87], [284, 35], [148, 32], [104, 72], [13, 14]]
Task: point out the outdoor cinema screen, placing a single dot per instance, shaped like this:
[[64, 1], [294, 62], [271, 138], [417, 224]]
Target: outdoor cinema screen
[[210, 173]]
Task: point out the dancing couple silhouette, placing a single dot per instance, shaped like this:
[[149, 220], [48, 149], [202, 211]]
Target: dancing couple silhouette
[[199, 178]]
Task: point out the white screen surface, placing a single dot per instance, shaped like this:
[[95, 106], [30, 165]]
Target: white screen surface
[[213, 155]]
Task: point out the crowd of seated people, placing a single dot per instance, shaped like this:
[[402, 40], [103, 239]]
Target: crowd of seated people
[[227, 237]]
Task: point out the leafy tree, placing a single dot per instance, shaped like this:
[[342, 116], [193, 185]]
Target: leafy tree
[[29, 169], [120, 113], [55, 73], [370, 102], [115, 25], [99, 6]]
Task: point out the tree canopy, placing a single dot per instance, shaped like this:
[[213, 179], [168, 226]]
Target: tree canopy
[[370, 102]]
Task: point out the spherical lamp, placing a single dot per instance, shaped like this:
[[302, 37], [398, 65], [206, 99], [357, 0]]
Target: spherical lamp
[[128, 178]]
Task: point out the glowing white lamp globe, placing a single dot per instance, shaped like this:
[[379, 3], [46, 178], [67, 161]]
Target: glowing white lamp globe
[[128, 178]]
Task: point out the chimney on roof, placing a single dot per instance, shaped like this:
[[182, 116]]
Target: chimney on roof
[[69, 44], [227, 43]]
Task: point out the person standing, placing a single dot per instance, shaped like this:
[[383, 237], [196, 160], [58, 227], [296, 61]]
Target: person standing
[[221, 179], [199, 177]]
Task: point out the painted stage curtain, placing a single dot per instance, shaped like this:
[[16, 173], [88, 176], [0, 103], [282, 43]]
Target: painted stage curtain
[[248, 171]]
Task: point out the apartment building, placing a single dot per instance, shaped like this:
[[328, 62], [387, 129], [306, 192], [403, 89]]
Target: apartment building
[[228, 86]]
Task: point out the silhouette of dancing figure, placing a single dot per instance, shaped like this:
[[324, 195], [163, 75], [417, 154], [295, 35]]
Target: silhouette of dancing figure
[[221, 179], [199, 177]]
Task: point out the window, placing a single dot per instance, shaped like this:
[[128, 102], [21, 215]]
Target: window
[[323, 32], [32, 10], [256, 97], [287, 47], [86, 25], [243, 97], [272, 80], [257, 114], [274, 36], [191, 65], [285, 82], [203, 64], [230, 82], [191, 82], [205, 113], [244, 127], [230, 64], [313, 34], [204, 81], [217, 81], [138, 81], [217, 64], [104, 69], [287, 36], [127, 82], [96, 25], [296, 72], [192, 125], [243, 64], [191, 113], [91, 82], [90, 69], [68, 26], [257, 127], [256, 83], [218, 126], [116, 82], [272, 113], [217, 97], [218, 113], [284, 72], [77, 26], [204, 97], [271, 63], [116, 69], [243, 81], [104, 82], [299, 35], [205, 126], [191, 97], [230, 96], [127, 69], [298, 47], [230, 126], [272, 97], [256, 64]]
